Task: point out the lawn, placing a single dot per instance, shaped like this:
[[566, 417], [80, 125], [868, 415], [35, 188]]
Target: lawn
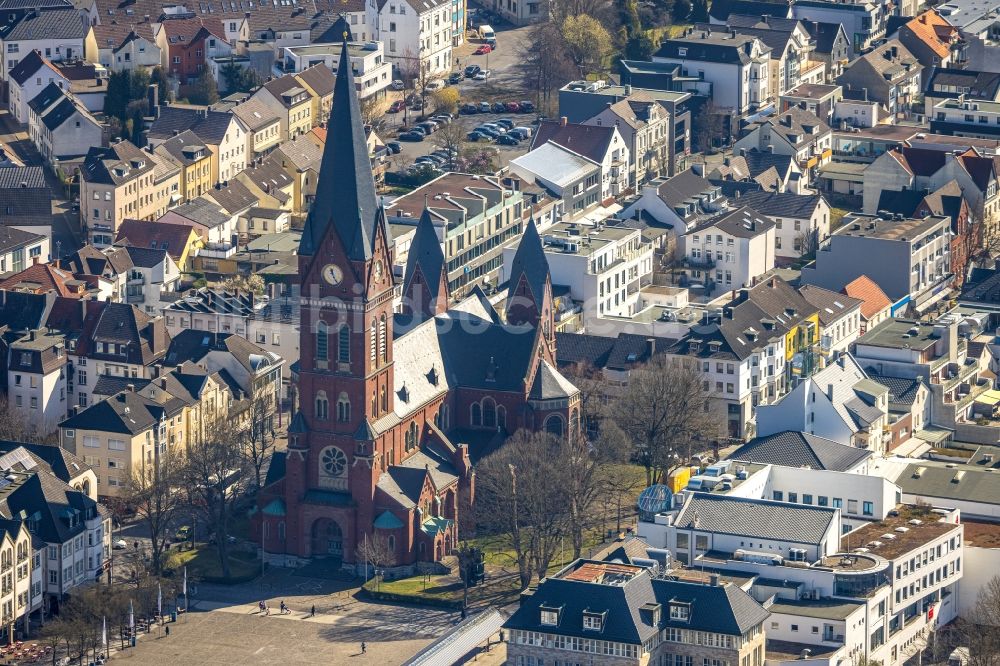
[[434, 587], [203, 564]]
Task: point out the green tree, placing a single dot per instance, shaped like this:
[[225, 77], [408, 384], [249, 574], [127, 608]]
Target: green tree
[[117, 97], [699, 11], [239, 79], [587, 41], [640, 47], [205, 90], [682, 10]]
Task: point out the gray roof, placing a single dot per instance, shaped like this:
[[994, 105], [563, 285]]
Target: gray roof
[[902, 390], [55, 23], [782, 204], [549, 384], [756, 518], [529, 261], [801, 449], [209, 126], [978, 484], [831, 304], [426, 255], [12, 238], [743, 222]]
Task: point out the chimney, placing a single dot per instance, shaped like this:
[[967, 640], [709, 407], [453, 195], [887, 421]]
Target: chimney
[[714, 580], [650, 347], [732, 33], [628, 89], [31, 335], [130, 388], [563, 121], [163, 383], [829, 392]]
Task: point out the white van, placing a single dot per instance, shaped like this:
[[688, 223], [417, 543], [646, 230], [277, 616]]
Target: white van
[[487, 33]]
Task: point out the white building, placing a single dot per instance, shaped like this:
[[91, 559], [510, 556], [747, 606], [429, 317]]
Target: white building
[[372, 70], [417, 36], [839, 319], [732, 250], [28, 79], [36, 379], [60, 126], [56, 33], [802, 221]]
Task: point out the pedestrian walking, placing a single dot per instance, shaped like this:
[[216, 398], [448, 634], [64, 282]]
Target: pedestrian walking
[[364, 648], [312, 611], [167, 629], [284, 608], [267, 610]]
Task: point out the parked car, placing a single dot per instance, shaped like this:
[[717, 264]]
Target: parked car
[[476, 135], [394, 147], [526, 106], [411, 136], [472, 70], [482, 75], [486, 131], [455, 77], [492, 43], [397, 85], [513, 107], [120, 544], [508, 140], [436, 84], [417, 105], [442, 119], [483, 50], [469, 109], [505, 123], [485, 107], [429, 126], [521, 132], [499, 107], [397, 106]]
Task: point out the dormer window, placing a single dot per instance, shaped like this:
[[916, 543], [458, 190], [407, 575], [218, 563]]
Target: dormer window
[[593, 621], [680, 612], [549, 615]]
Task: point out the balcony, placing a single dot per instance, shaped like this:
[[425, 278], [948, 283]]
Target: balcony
[[701, 263], [217, 251]]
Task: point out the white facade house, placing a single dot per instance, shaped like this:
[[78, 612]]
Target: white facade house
[[732, 250], [27, 79], [839, 318], [372, 70], [839, 403], [735, 65], [56, 33], [36, 379], [60, 126], [417, 36], [802, 221]]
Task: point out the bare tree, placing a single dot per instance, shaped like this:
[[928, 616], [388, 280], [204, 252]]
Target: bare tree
[[520, 497], [15, 426], [451, 138], [257, 436], [215, 477], [662, 411], [980, 630], [374, 550], [547, 65], [154, 492]]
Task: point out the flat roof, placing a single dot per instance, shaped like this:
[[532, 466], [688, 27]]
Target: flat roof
[[811, 91], [900, 334], [827, 609], [902, 230], [913, 536], [976, 105]]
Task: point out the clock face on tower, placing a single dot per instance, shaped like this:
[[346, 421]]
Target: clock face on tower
[[333, 274]]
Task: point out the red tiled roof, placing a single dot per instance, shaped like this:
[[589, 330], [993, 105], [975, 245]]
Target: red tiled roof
[[873, 298], [163, 235], [934, 31], [42, 278]]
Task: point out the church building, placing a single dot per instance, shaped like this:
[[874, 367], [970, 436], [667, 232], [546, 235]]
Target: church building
[[397, 406]]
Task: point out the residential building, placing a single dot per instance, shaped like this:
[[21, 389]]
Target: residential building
[[680, 202], [36, 380], [602, 145], [582, 101], [372, 70], [743, 242], [249, 369], [802, 221], [933, 40], [126, 47], [947, 83], [960, 117], [418, 36], [909, 259], [574, 180], [18, 248], [736, 65], [60, 126], [603, 268], [832, 46], [291, 102], [220, 132], [32, 74], [261, 124], [791, 46], [909, 413], [794, 132], [839, 403], [630, 615], [819, 99], [152, 274], [58, 33], [179, 241], [473, 218], [863, 23], [300, 159], [187, 44], [839, 319], [891, 75], [124, 182], [875, 305], [856, 110], [803, 450], [196, 162], [318, 81], [643, 125]]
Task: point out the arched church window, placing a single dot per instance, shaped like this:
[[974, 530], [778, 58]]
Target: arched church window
[[501, 417], [477, 414], [343, 408], [384, 399], [322, 406], [554, 425], [322, 341], [489, 413], [344, 344]]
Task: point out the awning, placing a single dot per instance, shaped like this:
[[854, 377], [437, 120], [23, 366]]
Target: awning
[[912, 448], [453, 646], [933, 434], [990, 398]]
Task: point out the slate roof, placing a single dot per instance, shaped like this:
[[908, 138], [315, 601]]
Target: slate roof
[[831, 304], [549, 384], [800, 449], [109, 385], [126, 413], [591, 141], [759, 162], [345, 193], [175, 147], [50, 24], [782, 204], [825, 34], [721, 10], [234, 198], [630, 349], [319, 78], [426, 254], [156, 235], [683, 187], [725, 609], [209, 126], [873, 299], [743, 222], [27, 67], [145, 257], [573, 348], [529, 261], [902, 390], [32, 177], [756, 518], [23, 311], [981, 85], [255, 114], [56, 460], [717, 46], [116, 164], [202, 211], [12, 238]]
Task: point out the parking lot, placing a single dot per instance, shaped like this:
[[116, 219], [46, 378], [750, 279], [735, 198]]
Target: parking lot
[[505, 84]]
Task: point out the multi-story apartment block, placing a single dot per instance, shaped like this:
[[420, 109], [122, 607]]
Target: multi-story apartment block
[[736, 65], [219, 131], [261, 125], [601, 144], [196, 162], [291, 102], [623, 614], [960, 117], [840, 319], [60, 126], [58, 33], [372, 71], [795, 132], [187, 44], [863, 22], [730, 251], [908, 259], [603, 267], [36, 379], [124, 182], [891, 75], [474, 217], [801, 221], [418, 36], [27, 79], [791, 50]]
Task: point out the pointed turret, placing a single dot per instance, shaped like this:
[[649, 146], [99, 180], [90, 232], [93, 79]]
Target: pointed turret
[[345, 193], [529, 291], [425, 281]]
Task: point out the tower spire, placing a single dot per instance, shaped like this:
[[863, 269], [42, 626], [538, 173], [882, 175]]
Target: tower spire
[[428, 295], [345, 182]]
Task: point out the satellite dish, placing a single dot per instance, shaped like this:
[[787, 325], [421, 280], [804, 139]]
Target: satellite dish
[[653, 500]]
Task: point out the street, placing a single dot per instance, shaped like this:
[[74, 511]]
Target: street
[[65, 221]]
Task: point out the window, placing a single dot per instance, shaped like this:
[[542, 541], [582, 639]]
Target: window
[[793, 497], [322, 406], [344, 344], [549, 616], [116, 445], [778, 496], [476, 415], [322, 341], [852, 506], [807, 498], [868, 508], [91, 442], [343, 408], [838, 503], [680, 612], [593, 621]]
